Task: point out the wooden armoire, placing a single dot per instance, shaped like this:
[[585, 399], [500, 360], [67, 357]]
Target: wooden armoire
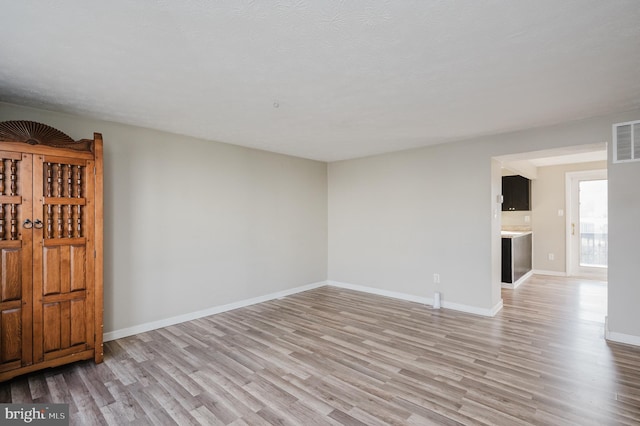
[[51, 215]]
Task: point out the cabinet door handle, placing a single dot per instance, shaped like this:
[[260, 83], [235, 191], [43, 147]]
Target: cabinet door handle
[[27, 224], [38, 224], [573, 229]]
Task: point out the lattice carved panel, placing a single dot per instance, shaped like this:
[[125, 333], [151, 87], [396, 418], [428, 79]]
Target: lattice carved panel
[[65, 200], [10, 195]]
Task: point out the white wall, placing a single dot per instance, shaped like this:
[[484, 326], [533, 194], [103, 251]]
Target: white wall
[[496, 227], [624, 249], [192, 224], [396, 219]]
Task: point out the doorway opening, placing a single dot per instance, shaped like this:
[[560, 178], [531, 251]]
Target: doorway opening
[[551, 217]]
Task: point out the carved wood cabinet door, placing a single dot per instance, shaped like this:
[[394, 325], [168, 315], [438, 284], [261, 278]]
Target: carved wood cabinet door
[[63, 256], [16, 254]]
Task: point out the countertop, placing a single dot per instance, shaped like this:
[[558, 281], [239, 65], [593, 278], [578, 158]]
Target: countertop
[[513, 234]]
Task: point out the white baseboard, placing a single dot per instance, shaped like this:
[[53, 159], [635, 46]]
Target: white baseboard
[[473, 309], [616, 337], [515, 285], [496, 308], [551, 273], [153, 325], [381, 292], [419, 299]]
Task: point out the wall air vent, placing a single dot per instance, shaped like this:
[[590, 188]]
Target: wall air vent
[[626, 142]]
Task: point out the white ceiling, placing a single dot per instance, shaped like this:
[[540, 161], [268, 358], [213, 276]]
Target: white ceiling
[[349, 78]]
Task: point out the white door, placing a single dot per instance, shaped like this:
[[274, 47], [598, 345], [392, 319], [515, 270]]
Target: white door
[[587, 224]]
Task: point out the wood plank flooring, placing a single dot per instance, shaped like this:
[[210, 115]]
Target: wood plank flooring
[[331, 356]]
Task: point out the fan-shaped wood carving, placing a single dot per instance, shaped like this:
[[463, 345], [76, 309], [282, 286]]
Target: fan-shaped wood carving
[[35, 133]]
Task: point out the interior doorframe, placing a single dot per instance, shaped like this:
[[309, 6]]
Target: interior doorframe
[[596, 174]]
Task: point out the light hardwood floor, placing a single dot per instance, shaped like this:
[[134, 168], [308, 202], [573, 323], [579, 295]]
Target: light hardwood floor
[[332, 356]]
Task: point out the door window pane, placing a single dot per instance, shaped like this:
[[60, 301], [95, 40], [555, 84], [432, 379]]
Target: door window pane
[[593, 223]]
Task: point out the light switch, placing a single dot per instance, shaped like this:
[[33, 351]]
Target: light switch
[[527, 219], [560, 212]]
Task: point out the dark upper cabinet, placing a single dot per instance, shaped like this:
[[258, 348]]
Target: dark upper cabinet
[[516, 192]]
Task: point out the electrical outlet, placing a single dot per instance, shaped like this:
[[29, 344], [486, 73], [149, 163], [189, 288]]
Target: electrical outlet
[[527, 219], [552, 256], [436, 278]]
